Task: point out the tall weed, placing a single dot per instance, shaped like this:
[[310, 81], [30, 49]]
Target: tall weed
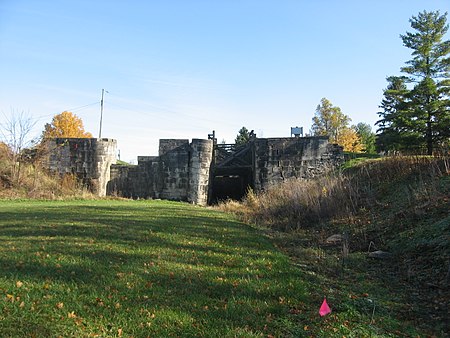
[[300, 203], [36, 182]]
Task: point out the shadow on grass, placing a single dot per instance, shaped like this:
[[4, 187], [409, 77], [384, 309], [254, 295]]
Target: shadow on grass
[[129, 266]]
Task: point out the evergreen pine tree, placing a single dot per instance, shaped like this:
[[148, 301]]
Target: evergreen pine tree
[[420, 115]]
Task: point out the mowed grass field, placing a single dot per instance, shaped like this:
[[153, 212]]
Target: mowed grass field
[[108, 268], [124, 268]]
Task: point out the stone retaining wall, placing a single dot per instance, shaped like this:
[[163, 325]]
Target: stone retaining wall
[[182, 171]]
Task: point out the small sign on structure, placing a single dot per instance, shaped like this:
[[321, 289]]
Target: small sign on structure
[[297, 131]]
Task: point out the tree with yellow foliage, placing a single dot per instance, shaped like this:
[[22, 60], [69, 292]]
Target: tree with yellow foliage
[[331, 121], [350, 140], [64, 125]]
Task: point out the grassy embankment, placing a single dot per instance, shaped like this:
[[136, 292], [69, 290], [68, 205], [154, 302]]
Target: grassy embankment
[[396, 205]]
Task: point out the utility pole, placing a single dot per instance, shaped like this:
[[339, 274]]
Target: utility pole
[[101, 113]]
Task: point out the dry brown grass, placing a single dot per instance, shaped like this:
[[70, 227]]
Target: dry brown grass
[[35, 182], [300, 203]]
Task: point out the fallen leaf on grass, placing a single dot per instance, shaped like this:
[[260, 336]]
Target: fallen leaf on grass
[[294, 311], [71, 315], [19, 284], [60, 305]]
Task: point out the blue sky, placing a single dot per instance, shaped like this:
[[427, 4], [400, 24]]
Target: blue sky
[[180, 69]]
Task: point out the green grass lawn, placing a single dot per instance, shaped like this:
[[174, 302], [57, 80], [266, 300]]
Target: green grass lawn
[[139, 268], [110, 268]]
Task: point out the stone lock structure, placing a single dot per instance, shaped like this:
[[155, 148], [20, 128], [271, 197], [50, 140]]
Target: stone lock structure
[[180, 172], [198, 171]]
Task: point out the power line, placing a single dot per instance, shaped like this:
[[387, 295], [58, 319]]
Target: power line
[[82, 107], [71, 110]]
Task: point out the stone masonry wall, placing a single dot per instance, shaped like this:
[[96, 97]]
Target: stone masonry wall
[[182, 171], [174, 169], [199, 170], [278, 159], [136, 181], [89, 159]]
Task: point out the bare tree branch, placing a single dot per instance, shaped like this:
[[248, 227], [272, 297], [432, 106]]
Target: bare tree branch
[[15, 133]]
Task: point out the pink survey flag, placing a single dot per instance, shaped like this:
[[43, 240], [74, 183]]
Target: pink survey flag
[[324, 309]]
